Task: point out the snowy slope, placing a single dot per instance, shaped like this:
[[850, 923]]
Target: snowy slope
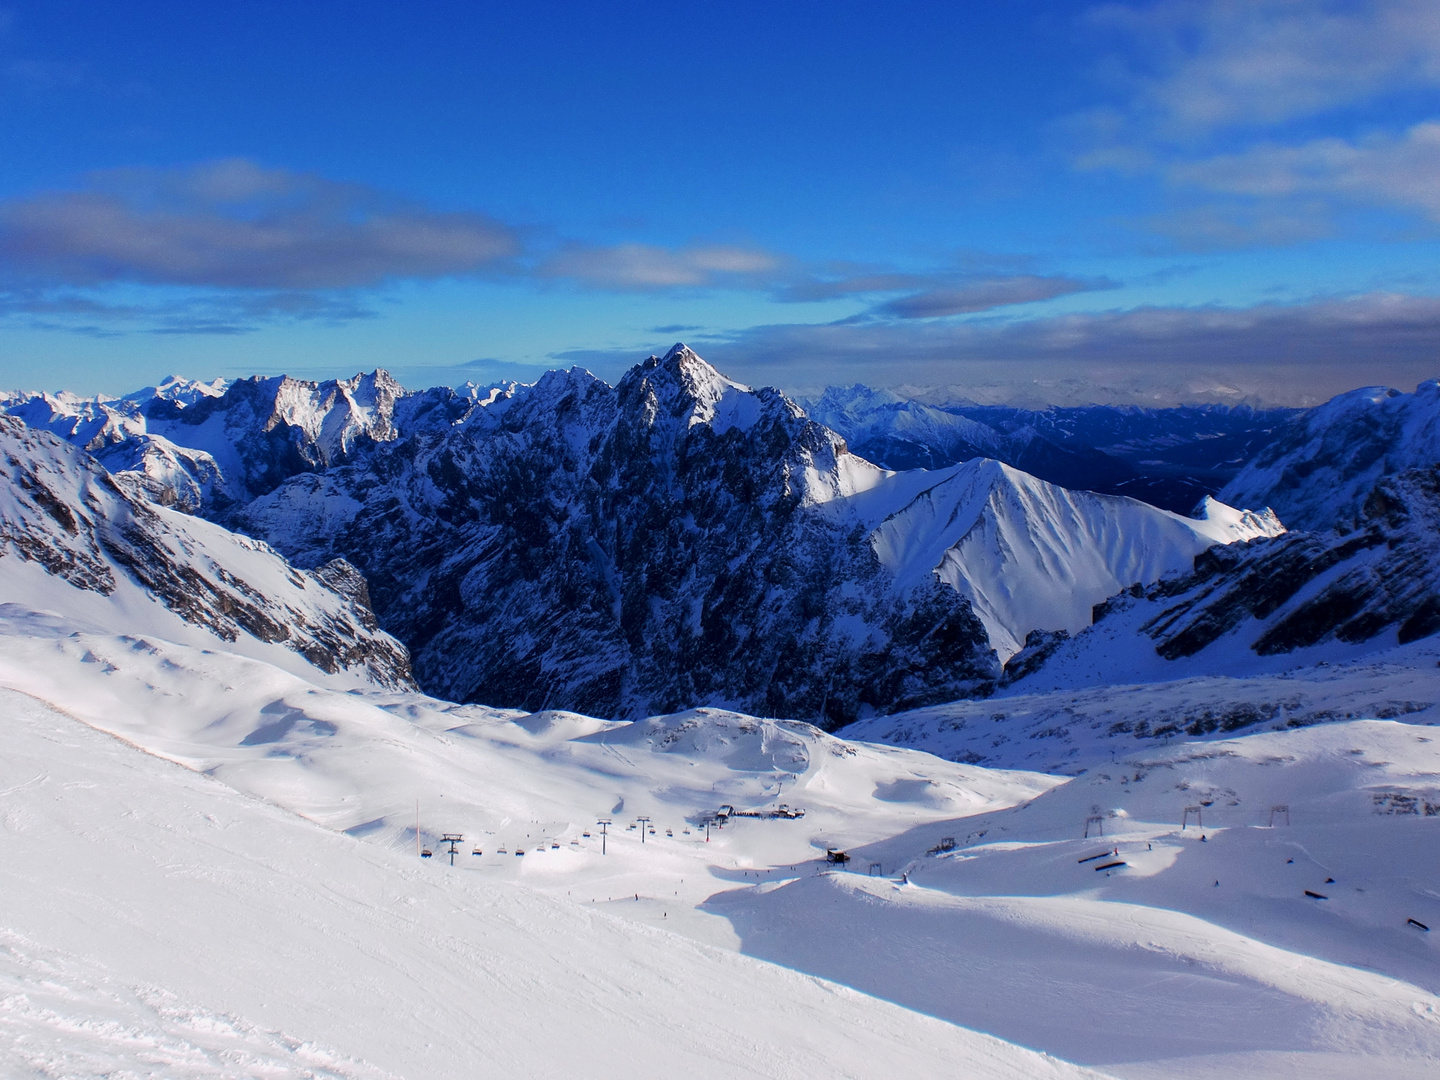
[[72, 542], [1320, 469], [1146, 972], [1151, 951], [1032, 556], [198, 932]]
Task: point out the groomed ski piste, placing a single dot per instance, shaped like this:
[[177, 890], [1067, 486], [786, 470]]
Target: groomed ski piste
[[211, 870]]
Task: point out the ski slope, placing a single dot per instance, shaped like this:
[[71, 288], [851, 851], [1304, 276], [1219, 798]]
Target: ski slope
[[158, 923], [263, 907]]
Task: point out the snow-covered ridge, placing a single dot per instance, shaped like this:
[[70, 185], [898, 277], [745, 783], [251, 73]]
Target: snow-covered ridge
[[72, 541], [1032, 556], [1326, 461], [1170, 458]]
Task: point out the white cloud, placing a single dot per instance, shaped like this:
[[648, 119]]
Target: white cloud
[[645, 267], [1397, 170], [1258, 62]]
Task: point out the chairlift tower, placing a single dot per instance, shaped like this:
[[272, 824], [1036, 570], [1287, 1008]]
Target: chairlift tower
[[452, 839], [604, 824], [644, 824]]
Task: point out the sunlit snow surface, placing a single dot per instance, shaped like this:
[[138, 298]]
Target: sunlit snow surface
[[157, 921]]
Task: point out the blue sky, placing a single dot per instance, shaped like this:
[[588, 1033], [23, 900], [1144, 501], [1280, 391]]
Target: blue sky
[[1022, 200]]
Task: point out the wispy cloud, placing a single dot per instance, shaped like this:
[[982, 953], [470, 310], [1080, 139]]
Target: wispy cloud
[[1398, 170], [229, 246], [235, 225], [649, 268], [1222, 100], [986, 294], [1289, 353], [1196, 65]]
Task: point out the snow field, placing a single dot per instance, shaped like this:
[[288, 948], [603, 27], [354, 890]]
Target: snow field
[[1142, 967], [158, 923]]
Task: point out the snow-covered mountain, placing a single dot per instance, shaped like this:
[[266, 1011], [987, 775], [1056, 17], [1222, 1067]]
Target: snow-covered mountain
[[206, 447], [73, 542], [677, 539], [1171, 458], [1373, 585], [1325, 462], [1032, 556], [236, 883], [1294, 630]]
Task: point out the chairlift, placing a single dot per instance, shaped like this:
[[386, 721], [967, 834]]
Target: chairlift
[[519, 851], [502, 850], [426, 853], [687, 832], [477, 851], [652, 830], [586, 835], [554, 847], [669, 832]]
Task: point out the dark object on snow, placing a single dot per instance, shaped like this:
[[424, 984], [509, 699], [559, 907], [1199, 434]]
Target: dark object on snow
[[1289, 861], [1417, 922], [1109, 865], [1329, 881], [946, 843], [1092, 858], [833, 855], [1315, 895], [452, 839]]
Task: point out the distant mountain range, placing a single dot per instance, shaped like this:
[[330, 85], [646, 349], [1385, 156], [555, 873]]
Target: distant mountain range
[[680, 539], [1170, 458]]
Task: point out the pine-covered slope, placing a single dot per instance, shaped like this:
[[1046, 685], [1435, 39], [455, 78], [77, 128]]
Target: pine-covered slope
[[73, 542]]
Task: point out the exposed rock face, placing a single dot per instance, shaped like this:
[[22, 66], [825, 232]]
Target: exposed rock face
[[60, 509], [1379, 575], [633, 550]]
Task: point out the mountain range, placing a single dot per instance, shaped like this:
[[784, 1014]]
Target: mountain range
[[673, 540], [292, 787]]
